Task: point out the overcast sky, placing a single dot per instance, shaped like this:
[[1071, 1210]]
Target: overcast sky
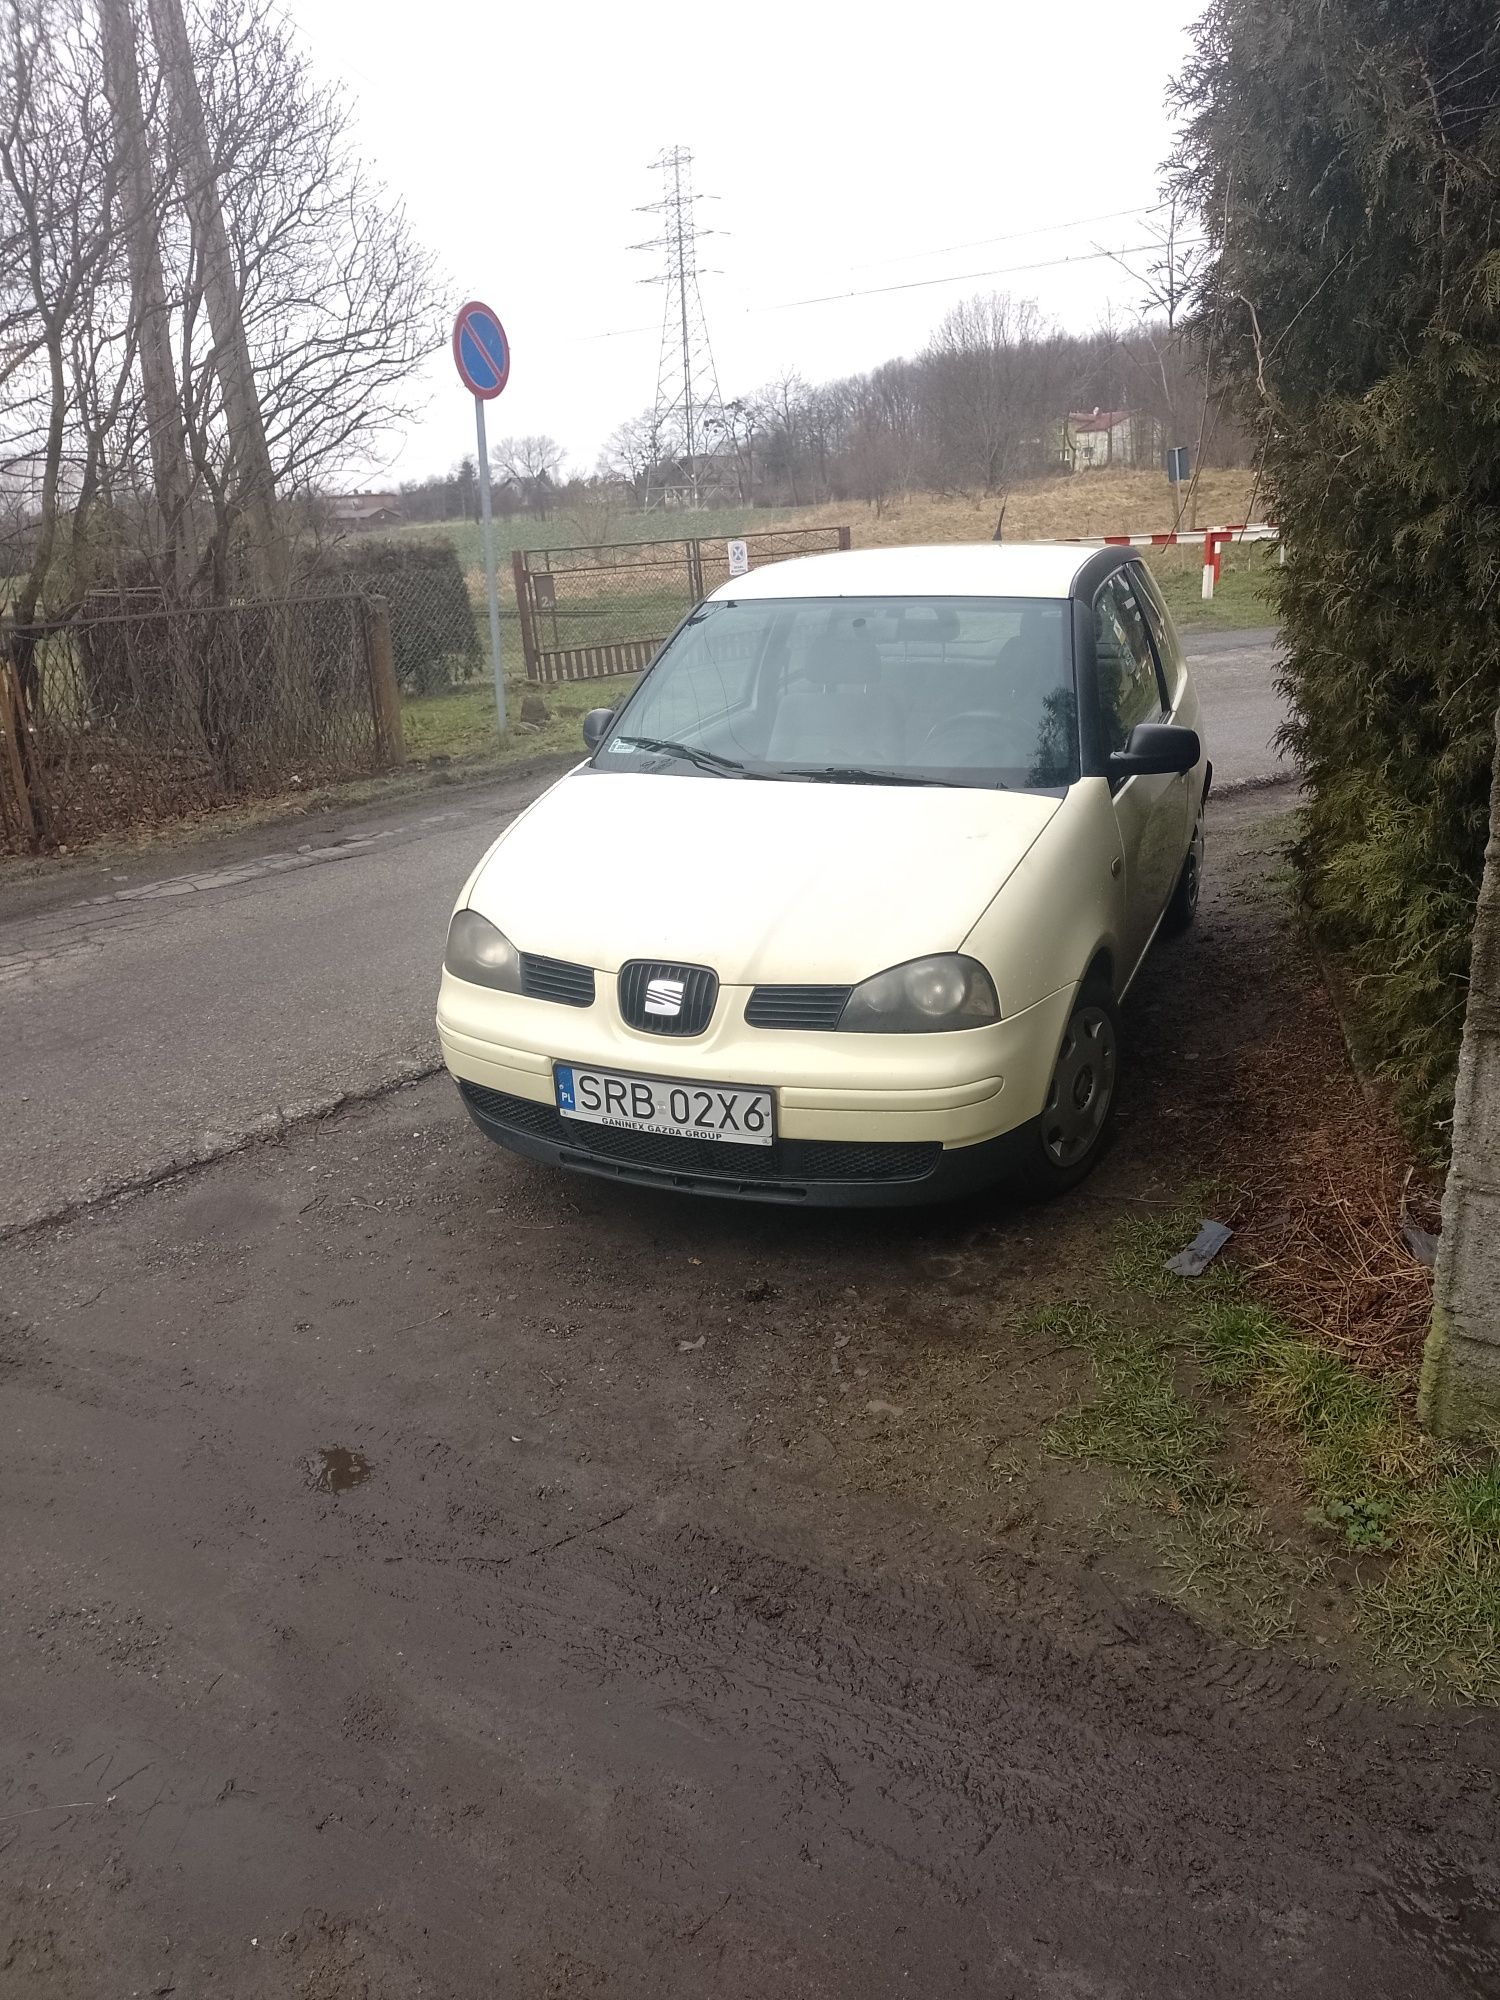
[[847, 148]]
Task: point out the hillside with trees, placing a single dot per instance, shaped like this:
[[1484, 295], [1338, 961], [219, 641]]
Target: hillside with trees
[[996, 398]]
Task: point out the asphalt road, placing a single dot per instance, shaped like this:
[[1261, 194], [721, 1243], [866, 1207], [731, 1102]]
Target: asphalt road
[[153, 1017]]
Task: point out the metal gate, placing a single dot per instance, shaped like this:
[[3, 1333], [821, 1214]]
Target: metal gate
[[588, 613]]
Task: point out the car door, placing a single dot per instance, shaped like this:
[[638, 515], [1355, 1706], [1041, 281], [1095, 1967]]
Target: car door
[[1150, 811]]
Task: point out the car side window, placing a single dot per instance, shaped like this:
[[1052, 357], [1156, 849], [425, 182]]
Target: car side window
[[1129, 689], [1168, 651]]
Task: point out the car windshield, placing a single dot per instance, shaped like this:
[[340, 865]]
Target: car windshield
[[973, 691]]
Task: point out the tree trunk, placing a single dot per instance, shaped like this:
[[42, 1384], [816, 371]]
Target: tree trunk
[[169, 466], [1460, 1393], [29, 597], [249, 451]]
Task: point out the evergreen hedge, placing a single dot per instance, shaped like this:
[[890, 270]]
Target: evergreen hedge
[[1344, 156], [433, 634]]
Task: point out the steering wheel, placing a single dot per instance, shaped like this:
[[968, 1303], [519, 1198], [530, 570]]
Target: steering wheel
[[952, 722]]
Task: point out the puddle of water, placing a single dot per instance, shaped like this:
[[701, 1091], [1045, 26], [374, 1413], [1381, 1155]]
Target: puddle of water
[[1454, 1915], [335, 1469]]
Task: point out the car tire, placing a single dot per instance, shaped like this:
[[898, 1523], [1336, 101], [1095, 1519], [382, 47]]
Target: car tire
[[1065, 1143], [1183, 907]]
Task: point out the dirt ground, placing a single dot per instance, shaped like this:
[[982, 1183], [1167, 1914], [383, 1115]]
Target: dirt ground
[[428, 1575]]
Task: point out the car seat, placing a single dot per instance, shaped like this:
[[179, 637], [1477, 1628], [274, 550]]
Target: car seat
[[839, 711]]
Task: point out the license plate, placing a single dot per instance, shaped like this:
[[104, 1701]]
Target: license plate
[[708, 1111]]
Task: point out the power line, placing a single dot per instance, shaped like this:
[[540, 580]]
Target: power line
[[1014, 236], [916, 284], [968, 277]]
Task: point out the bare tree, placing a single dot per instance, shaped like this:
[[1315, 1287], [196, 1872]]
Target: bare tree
[[631, 450], [730, 431], [593, 511], [249, 452], [57, 211], [140, 223], [128, 287], [1164, 352], [981, 388], [531, 465], [337, 298], [781, 417]]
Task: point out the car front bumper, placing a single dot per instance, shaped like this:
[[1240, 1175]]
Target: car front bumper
[[860, 1119]]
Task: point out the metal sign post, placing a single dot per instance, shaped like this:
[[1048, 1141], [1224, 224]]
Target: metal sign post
[[1175, 465], [481, 353]]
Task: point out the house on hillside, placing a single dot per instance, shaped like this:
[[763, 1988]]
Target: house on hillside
[[1099, 437], [1094, 438], [365, 510]]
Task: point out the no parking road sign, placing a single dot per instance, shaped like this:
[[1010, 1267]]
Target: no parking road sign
[[481, 352]]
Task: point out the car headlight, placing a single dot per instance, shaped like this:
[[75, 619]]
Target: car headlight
[[924, 996], [477, 951]]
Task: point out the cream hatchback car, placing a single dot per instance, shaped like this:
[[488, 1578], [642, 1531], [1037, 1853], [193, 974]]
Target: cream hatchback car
[[842, 904]]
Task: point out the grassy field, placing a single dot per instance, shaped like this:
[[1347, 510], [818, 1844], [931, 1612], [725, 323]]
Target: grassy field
[[1088, 503], [1241, 599], [461, 726]]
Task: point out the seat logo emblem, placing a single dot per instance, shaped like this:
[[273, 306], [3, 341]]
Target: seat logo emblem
[[664, 996]]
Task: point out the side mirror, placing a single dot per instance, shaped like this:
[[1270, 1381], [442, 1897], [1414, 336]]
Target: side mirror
[[1154, 749], [596, 726]]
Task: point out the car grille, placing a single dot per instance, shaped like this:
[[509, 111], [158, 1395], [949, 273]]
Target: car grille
[[700, 990], [796, 1006], [798, 1161], [556, 979]]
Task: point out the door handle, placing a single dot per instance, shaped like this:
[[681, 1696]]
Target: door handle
[[1115, 867]]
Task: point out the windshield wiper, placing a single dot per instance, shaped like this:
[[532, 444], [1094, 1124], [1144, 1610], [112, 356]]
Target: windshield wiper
[[856, 774], [707, 760]]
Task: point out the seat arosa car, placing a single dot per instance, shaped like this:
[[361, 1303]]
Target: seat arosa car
[[841, 905]]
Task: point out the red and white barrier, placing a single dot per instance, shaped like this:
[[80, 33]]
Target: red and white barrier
[[1212, 540]]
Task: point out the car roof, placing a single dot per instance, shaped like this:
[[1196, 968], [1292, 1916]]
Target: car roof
[[984, 569]]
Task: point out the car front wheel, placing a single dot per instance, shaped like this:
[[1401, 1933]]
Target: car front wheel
[[1067, 1139]]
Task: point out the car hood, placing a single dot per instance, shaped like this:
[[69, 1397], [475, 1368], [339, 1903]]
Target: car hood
[[777, 882]]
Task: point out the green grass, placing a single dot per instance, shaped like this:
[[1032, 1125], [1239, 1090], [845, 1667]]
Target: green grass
[[462, 725], [1139, 1421], [1436, 1616], [1242, 597], [1223, 1555], [1189, 1372], [1142, 1244]]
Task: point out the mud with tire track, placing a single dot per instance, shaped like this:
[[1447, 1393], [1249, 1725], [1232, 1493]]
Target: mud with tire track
[[426, 1575]]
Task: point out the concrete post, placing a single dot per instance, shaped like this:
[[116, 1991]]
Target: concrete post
[[1460, 1394]]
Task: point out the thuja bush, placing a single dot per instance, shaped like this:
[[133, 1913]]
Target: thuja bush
[[1344, 156]]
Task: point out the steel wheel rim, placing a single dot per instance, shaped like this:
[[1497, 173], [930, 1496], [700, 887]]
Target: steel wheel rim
[[1194, 876], [1195, 866], [1083, 1088]]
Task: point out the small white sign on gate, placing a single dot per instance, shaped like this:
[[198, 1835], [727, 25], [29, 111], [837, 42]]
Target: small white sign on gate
[[739, 558]]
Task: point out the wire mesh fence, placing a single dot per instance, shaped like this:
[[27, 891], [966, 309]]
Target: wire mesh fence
[[133, 712], [435, 623], [587, 613]]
